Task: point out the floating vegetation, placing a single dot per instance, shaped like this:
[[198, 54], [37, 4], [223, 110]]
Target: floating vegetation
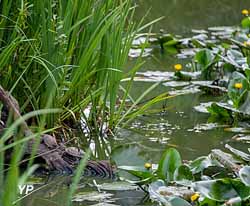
[[221, 55]]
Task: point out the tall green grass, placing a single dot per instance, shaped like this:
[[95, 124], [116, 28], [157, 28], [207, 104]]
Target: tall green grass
[[69, 55], [74, 51]]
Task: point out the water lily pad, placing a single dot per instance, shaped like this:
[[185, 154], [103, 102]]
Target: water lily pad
[[140, 172], [206, 126], [118, 186], [219, 110], [170, 196], [156, 75], [221, 28], [91, 196], [245, 23], [226, 160], [238, 153], [205, 59], [168, 163], [210, 88], [199, 164], [203, 107], [176, 84], [222, 189], [185, 90], [187, 53], [183, 173], [242, 137], [228, 111], [238, 95], [134, 53], [244, 174], [237, 130], [104, 204], [176, 201]]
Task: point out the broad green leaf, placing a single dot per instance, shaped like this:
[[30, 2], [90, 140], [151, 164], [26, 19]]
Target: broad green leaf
[[222, 189], [169, 162], [140, 172], [245, 23], [183, 173], [183, 76], [238, 153], [237, 94], [244, 174], [168, 196], [177, 201], [247, 73], [199, 164], [208, 202], [218, 111], [204, 58]]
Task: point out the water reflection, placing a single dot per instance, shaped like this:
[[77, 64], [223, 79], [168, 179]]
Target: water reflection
[[183, 15]]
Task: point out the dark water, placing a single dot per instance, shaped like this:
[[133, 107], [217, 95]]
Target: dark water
[[178, 125], [180, 16]]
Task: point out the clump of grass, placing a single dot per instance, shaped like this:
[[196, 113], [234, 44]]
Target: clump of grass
[[72, 53], [69, 55]]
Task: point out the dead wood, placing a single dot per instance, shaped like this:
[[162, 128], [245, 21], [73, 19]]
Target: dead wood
[[56, 156]]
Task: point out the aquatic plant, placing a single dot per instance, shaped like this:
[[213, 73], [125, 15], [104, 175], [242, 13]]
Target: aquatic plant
[[217, 179], [73, 58]]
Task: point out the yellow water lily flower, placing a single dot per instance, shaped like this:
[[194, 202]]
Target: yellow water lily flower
[[245, 12], [246, 43], [178, 67], [148, 165], [238, 85], [195, 197]]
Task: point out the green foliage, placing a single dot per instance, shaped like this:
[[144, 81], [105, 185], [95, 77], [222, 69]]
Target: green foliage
[[183, 173], [183, 77], [11, 177], [168, 163], [205, 60], [75, 56], [220, 178], [238, 95], [218, 111], [176, 201], [223, 189], [68, 55], [212, 191], [199, 164], [244, 174], [245, 23]]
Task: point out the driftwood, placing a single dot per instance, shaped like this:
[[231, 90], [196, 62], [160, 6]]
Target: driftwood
[[56, 156], [226, 160]]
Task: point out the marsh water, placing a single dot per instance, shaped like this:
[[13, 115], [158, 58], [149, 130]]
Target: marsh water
[[176, 124]]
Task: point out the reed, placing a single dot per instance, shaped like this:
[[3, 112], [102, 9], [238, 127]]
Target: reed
[[71, 52], [68, 55]]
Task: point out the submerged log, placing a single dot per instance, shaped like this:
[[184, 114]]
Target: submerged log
[[56, 156]]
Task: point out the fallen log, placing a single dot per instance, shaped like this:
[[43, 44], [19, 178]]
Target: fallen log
[[56, 156], [226, 160]]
